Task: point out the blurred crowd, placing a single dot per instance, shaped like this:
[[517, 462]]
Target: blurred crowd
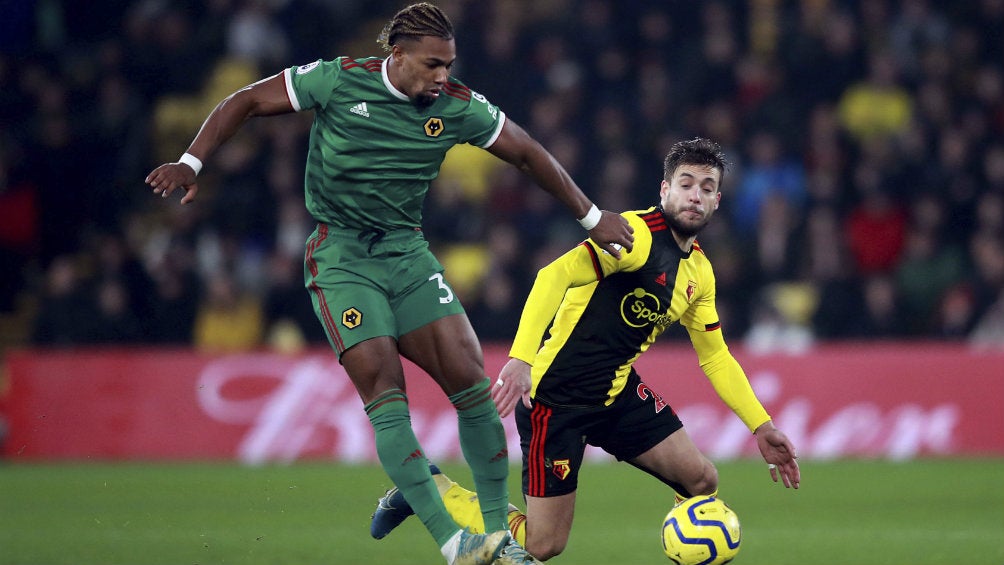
[[865, 199]]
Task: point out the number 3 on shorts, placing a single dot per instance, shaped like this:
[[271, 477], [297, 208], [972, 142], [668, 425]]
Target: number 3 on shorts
[[438, 277]]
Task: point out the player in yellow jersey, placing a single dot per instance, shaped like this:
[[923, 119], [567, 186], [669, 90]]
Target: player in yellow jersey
[[580, 386]]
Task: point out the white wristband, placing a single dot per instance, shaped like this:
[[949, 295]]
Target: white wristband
[[591, 218], [192, 161]]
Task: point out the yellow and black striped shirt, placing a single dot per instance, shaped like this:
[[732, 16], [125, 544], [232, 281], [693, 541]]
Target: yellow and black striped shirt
[[603, 313]]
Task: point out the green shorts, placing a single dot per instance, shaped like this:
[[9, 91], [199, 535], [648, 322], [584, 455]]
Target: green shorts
[[367, 284]]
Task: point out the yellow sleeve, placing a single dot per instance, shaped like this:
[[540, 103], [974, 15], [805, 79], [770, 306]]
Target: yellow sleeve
[[574, 268], [727, 377], [585, 264]]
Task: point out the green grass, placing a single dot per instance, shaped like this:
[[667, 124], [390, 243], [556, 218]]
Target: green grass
[[847, 512]]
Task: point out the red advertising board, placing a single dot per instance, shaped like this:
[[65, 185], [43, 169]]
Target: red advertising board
[[894, 400]]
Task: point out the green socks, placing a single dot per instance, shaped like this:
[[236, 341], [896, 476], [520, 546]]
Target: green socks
[[404, 462], [483, 442]]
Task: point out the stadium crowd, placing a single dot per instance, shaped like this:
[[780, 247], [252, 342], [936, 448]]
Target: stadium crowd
[[865, 198]]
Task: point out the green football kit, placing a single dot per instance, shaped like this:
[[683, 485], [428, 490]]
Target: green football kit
[[372, 154]]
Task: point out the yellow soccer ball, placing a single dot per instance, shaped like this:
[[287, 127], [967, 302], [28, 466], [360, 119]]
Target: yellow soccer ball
[[701, 530]]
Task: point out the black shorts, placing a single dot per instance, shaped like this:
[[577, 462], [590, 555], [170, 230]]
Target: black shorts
[[554, 438]]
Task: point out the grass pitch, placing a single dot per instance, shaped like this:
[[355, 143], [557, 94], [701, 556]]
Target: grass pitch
[[846, 513]]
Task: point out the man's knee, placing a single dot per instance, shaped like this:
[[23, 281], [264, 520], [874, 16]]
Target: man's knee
[[705, 481], [544, 548]]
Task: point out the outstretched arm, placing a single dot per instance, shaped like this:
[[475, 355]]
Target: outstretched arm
[[732, 386], [515, 146], [266, 97], [575, 268], [580, 266]]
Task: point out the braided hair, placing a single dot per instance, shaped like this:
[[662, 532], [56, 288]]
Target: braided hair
[[413, 22]]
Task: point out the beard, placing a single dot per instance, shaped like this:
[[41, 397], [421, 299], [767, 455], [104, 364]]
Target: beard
[[423, 100], [686, 228]]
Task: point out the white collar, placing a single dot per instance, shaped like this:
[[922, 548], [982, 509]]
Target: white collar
[[386, 81]]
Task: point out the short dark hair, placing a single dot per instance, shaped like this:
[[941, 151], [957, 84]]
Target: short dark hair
[[697, 151], [417, 20]]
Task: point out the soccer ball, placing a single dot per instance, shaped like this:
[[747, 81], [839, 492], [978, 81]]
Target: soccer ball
[[701, 530]]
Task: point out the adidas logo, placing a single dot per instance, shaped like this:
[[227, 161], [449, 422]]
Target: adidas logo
[[360, 109], [504, 454], [661, 279], [415, 455]]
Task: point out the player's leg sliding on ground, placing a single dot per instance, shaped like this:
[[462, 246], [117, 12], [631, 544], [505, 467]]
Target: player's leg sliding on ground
[[400, 455], [462, 504], [488, 459], [464, 508], [678, 463], [675, 461]]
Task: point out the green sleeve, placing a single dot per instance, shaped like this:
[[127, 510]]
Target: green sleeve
[[483, 122], [312, 85]]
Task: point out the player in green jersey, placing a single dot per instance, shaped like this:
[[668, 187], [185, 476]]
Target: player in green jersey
[[381, 129], [600, 314]]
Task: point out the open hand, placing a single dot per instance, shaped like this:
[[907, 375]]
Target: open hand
[[169, 176], [779, 454], [512, 385]]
